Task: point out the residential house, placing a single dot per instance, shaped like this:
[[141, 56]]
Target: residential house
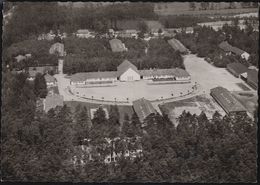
[[226, 47], [57, 48], [236, 69], [226, 100], [20, 58], [40, 69], [50, 80], [117, 45], [84, 33]]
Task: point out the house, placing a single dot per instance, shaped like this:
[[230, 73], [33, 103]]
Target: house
[[84, 33], [28, 55], [236, 69], [128, 72], [177, 45], [143, 108], [52, 101], [57, 48], [111, 32], [127, 34], [117, 45], [173, 30], [20, 58], [225, 46], [47, 36], [189, 30], [50, 80], [252, 78], [40, 69], [226, 100], [154, 27]]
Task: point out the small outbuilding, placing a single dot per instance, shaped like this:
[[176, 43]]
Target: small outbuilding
[[117, 45], [252, 78]]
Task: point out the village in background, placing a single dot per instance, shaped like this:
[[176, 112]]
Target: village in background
[[130, 92]]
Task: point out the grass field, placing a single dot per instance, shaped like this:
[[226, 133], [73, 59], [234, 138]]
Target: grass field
[[247, 99], [183, 8], [194, 105], [122, 109]]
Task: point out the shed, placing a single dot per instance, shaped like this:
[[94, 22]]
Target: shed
[[252, 78], [143, 108], [117, 45], [177, 45]]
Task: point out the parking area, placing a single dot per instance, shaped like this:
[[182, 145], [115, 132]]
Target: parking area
[[209, 76]]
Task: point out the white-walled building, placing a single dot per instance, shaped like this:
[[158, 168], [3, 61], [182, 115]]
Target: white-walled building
[[84, 33], [126, 71]]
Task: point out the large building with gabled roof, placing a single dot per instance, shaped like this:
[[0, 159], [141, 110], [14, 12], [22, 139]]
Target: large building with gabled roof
[[127, 71], [226, 100]]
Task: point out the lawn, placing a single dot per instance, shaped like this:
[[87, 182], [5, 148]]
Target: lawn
[[194, 105], [122, 109]]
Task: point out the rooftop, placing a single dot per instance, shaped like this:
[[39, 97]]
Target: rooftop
[[228, 48], [177, 45], [125, 65], [49, 78], [143, 108], [117, 45], [237, 67], [52, 101], [93, 75], [228, 101]]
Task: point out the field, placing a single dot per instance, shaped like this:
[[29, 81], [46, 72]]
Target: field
[[122, 109], [194, 105], [247, 99], [182, 8]]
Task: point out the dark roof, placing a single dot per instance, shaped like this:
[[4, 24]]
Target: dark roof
[[177, 72], [51, 101], [228, 102], [143, 108], [40, 69], [116, 45], [252, 76], [177, 45], [49, 78], [237, 67], [94, 75], [124, 66], [227, 47]]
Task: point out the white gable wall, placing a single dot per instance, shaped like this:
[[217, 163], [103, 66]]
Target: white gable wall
[[129, 75], [245, 55]]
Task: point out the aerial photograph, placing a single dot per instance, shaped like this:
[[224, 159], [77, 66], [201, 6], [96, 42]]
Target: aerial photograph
[[129, 92]]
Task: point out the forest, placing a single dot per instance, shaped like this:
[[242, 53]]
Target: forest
[[38, 147], [30, 18], [86, 55]]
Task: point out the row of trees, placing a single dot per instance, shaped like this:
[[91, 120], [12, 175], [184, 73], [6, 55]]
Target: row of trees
[[212, 6], [96, 55]]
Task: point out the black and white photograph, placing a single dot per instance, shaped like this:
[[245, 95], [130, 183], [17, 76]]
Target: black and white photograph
[[129, 92]]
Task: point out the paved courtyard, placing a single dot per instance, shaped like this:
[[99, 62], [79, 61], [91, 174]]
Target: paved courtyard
[[209, 76]]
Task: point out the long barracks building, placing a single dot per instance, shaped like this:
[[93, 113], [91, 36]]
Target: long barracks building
[[126, 71]]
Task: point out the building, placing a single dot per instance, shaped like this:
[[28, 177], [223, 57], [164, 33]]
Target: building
[[127, 34], [57, 48], [236, 69], [84, 33], [143, 108], [177, 45], [225, 46], [126, 71], [154, 27], [52, 101], [48, 36], [20, 58], [50, 80], [189, 30], [117, 45], [252, 78], [226, 100], [173, 30], [40, 69]]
